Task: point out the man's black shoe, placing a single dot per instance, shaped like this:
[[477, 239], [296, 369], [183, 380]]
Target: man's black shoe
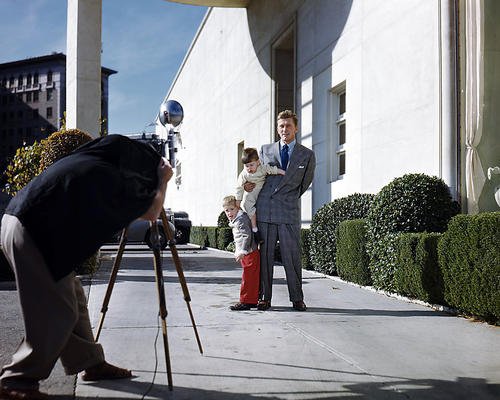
[[299, 305], [264, 305]]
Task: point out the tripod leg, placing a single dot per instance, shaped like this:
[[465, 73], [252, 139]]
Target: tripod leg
[[161, 297], [180, 273], [112, 279]]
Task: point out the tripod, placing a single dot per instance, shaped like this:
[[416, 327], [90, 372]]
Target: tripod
[[155, 240]]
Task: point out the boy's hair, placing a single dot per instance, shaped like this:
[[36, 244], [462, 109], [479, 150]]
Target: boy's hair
[[248, 155], [289, 114], [229, 201]]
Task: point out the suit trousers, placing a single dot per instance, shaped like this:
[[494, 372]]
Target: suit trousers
[[289, 238], [249, 291], [55, 315]]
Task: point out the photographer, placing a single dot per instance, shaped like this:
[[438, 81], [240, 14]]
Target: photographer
[[50, 227]]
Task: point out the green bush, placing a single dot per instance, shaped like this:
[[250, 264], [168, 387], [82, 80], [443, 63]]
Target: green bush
[[469, 256], [305, 249], [411, 203], [199, 236], [212, 236], [222, 220], [352, 259], [60, 144], [417, 273], [324, 225], [224, 237], [23, 168]]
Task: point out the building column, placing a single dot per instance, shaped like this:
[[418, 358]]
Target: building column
[[83, 65], [448, 97]]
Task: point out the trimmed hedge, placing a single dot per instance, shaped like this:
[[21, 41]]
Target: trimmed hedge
[[352, 258], [417, 273], [323, 231], [199, 236], [411, 203], [211, 236], [469, 255]]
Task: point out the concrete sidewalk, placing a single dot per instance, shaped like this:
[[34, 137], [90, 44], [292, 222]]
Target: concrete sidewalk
[[351, 343]]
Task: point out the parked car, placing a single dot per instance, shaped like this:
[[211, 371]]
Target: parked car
[[182, 225], [139, 230]]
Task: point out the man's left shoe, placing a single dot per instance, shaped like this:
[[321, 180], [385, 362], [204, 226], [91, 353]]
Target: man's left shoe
[[299, 305], [105, 371]]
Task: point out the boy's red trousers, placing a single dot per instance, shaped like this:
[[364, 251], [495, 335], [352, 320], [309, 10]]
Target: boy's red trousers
[[250, 278]]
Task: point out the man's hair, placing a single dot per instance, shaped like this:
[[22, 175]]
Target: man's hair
[[229, 201], [248, 155], [289, 114]]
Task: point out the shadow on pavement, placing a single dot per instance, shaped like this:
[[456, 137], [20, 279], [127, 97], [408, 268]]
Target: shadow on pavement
[[392, 389]]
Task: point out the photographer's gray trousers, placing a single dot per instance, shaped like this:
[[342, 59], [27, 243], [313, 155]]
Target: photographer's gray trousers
[[55, 315]]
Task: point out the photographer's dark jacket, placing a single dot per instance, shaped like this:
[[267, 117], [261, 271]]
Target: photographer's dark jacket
[[80, 201]]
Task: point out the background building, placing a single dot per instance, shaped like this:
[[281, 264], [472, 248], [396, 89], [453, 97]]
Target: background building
[[382, 88], [33, 101]]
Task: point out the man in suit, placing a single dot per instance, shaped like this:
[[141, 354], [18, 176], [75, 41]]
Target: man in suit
[[278, 209]]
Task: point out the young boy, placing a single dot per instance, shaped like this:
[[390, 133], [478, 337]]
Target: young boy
[[245, 252], [256, 173]]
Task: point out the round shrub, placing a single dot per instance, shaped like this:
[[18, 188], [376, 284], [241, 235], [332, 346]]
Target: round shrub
[[222, 220], [60, 144], [411, 203], [323, 231], [23, 168]]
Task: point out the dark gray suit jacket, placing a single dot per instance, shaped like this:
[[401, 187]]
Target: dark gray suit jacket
[[279, 199]]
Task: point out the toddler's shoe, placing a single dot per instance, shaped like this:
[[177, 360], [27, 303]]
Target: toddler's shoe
[[242, 306]]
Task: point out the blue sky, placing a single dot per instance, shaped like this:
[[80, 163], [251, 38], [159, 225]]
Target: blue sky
[[144, 40]]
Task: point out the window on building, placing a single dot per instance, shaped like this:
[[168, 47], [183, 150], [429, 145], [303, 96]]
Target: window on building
[[49, 94], [338, 138], [35, 78], [49, 77], [28, 97], [11, 82], [20, 81], [4, 82], [35, 97], [28, 80], [49, 112]]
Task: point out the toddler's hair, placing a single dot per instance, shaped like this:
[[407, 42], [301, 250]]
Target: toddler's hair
[[229, 201], [248, 155]]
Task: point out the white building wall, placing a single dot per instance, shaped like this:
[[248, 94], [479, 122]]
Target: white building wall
[[386, 52]]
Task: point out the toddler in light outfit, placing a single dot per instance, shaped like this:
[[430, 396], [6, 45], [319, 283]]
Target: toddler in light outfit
[[253, 172]]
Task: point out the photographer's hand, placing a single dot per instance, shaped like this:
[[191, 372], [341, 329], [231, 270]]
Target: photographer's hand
[[165, 172]]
